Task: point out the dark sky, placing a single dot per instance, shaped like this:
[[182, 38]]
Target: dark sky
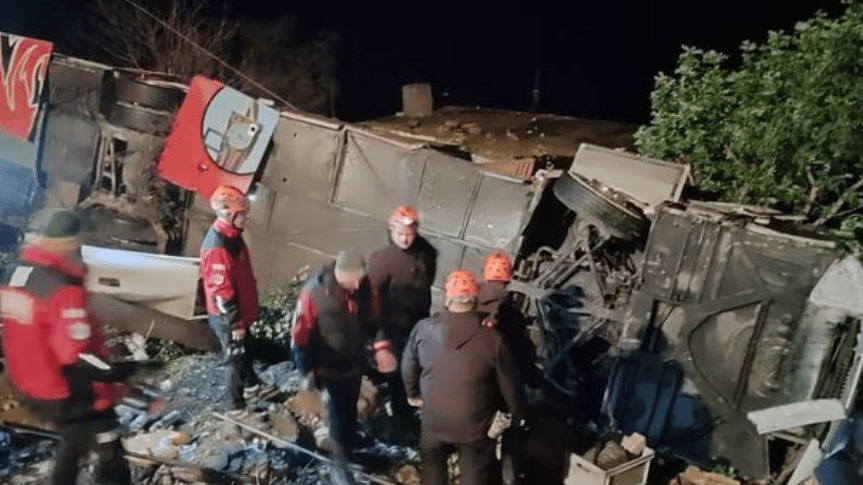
[[597, 59]]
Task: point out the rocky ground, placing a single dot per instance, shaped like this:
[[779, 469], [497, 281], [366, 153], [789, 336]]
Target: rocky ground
[[186, 430], [188, 443]]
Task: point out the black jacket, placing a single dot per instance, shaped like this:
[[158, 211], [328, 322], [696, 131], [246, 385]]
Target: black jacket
[[496, 302], [403, 280], [329, 338], [461, 370]]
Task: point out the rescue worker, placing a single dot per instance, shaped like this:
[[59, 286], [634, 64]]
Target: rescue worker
[[54, 349], [499, 309], [332, 324], [456, 369], [402, 274], [230, 292]]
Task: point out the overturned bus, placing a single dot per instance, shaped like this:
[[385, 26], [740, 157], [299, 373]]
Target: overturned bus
[[717, 331]]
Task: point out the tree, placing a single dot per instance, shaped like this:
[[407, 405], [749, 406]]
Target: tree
[[127, 36], [268, 53], [783, 128], [306, 71]]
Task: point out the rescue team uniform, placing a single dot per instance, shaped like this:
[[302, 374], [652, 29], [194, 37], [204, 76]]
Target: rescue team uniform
[[460, 369], [402, 278], [46, 328], [329, 334], [226, 272]]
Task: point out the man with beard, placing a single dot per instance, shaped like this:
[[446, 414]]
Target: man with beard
[[402, 274]]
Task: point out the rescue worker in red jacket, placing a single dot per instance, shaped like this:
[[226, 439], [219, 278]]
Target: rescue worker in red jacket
[[500, 310], [54, 349], [402, 273], [456, 370], [230, 291], [332, 324]]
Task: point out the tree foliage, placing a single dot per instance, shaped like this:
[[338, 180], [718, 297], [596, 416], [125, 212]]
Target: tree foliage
[[271, 52], [781, 126]]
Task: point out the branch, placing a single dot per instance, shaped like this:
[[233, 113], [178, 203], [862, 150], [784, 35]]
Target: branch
[[813, 191], [834, 209]]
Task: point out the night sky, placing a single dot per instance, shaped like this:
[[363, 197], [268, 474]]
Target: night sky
[[596, 59]]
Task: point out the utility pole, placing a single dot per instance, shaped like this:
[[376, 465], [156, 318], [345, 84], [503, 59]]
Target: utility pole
[[534, 94]]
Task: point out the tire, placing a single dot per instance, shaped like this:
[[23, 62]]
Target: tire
[[611, 217], [149, 94], [140, 119], [113, 229]]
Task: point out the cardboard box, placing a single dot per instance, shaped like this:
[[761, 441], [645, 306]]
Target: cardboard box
[[633, 472]]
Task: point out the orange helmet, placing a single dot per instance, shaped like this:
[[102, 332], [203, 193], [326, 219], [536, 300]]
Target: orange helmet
[[228, 199], [405, 215], [497, 267], [461, 285]]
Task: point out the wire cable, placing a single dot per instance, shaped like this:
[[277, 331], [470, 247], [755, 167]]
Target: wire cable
[[210, 54]]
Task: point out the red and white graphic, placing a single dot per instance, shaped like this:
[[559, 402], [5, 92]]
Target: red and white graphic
[[23, 72], [218, 138]]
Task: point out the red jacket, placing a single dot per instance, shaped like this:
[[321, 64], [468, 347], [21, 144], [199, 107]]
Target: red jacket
[[226, 270], [332, 326], [46, 326]]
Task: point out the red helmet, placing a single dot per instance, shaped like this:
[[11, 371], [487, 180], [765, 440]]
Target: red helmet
[[497, 267], [405, 215], [461, 285], [228, 199]]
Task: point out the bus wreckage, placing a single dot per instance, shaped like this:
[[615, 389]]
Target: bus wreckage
[[717, 331]]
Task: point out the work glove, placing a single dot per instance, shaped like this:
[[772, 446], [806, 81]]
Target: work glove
[[384, 358]]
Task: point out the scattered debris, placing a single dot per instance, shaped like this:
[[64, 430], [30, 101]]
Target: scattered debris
[[610, 464], [162, 444], [696, 476]]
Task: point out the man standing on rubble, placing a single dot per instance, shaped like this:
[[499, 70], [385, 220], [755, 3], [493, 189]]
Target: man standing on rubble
[[455, 369], [402, 274], [499, 310], [230, 291], [54, 349], [332, 323]]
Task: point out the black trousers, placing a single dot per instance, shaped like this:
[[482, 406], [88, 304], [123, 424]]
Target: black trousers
[[477, 460], [80, 434], [397, 393], [238, 368], [342, 410]]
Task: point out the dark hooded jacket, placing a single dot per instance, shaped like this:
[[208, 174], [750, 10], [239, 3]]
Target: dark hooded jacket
[[403, 278], [461, 370], [496, 302]]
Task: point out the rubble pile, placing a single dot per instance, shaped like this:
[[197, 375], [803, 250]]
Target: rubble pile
[[18, 452], [185, 441]]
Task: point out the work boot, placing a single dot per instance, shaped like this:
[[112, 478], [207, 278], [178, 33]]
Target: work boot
[[339, 467]]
